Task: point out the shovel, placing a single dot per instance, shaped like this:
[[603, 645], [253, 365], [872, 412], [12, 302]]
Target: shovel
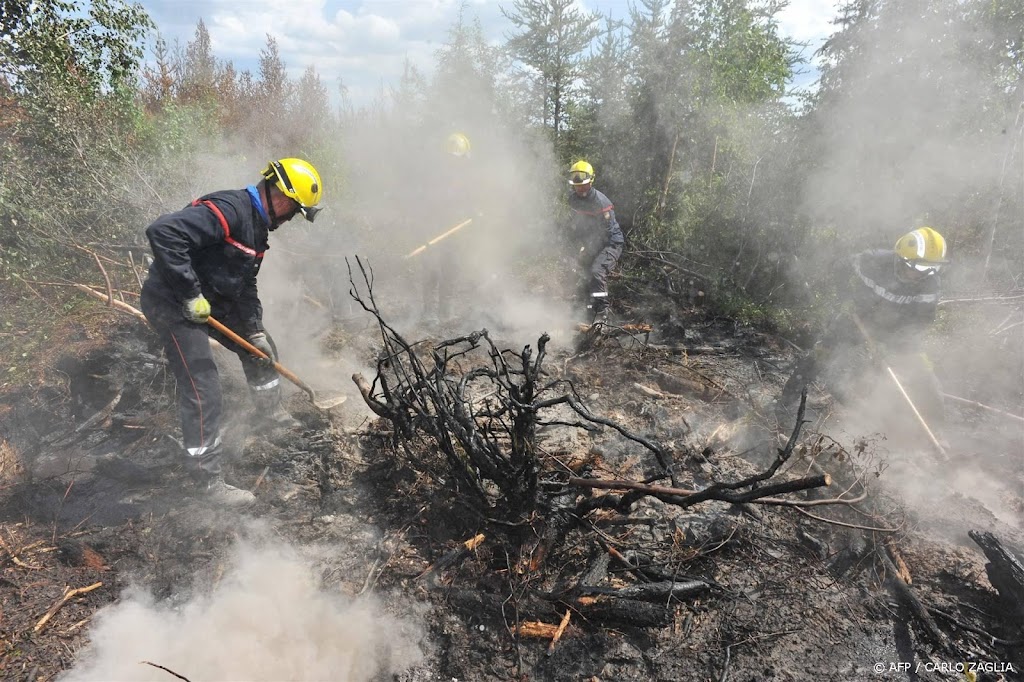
[[903, 392], [321, 403], [420, 249]]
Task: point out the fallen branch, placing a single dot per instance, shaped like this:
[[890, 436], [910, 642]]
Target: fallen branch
[[976, 630], [906, 595], [117, 305], [857, 526], [558, 633], [68, 596], [156, 665], [106, 278], [686, 498], [102, 414], [655, 592], [366, 391]]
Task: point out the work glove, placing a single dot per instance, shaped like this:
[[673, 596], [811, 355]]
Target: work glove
[[196, 309], [262, 343]]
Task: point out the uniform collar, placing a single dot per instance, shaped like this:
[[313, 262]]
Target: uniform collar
[[254, 197]]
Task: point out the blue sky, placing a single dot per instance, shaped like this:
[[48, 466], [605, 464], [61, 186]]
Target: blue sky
[[366, 42]]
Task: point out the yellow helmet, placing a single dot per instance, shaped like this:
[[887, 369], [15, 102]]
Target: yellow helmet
[[924, 249], [297, 180], [457, 144], [581, 173]]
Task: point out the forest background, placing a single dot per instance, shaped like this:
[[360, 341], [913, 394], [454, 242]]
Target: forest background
[[715, 168]]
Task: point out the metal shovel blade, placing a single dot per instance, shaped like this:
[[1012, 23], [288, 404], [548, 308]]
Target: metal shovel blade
[[328, 402]]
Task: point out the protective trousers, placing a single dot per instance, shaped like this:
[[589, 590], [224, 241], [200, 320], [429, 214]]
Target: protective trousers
[[595, 289], [190, 357], [439, 269]]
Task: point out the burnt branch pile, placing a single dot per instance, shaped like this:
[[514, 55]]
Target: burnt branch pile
[[469, 412]]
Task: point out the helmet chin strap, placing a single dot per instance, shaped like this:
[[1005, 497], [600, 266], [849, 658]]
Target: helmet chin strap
[[270, 205]]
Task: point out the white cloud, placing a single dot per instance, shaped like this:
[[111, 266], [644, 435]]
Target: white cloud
[[367, 42], [808, 20]]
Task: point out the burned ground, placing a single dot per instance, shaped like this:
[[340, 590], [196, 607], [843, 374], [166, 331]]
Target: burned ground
[[648, 587]]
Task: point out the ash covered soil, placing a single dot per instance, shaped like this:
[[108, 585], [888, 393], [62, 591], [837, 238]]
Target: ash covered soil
[[93, 495]]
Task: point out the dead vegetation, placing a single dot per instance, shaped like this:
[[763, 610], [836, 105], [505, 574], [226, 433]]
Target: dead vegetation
[[625, 510]]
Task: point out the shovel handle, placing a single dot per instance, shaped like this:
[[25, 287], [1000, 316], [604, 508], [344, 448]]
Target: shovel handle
[[281, 369], [899, 385]]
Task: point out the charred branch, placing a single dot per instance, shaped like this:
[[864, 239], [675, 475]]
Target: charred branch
[[483, 419], [1005, 572]]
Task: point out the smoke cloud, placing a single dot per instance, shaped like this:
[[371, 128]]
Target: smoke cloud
[[266, 618]]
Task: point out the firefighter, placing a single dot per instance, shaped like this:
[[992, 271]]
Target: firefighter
[[206, 258], [446, 206], [891, 301], [596, 237]]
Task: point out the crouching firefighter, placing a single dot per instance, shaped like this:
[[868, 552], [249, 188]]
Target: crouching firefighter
[[892, 298], [595, 234], [206, 258]]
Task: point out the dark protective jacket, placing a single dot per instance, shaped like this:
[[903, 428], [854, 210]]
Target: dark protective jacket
[[593, 224], [215, 247], [894, 311]]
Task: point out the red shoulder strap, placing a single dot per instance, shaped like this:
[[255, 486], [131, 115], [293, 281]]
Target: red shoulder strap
[[227, 229]]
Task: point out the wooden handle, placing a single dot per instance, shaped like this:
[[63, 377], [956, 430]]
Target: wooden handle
[[899, 386], [420, 249], [281, 369]]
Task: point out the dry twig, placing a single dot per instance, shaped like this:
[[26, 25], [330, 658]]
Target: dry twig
[[68, 596]]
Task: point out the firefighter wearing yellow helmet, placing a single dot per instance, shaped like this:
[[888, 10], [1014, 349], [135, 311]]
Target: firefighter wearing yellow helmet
[[595, 237], [443, 228], [458, 145], [206, 257], [891, 299]]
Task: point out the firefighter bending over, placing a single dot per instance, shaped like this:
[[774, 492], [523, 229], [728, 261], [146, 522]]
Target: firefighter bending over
[[205, 261], [891, 302]]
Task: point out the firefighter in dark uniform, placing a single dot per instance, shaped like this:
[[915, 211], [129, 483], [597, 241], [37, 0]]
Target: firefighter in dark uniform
[[891, 301], [596, 234], [446, 206], [205, 261]]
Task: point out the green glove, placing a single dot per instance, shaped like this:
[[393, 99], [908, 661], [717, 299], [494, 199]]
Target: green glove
[[196, 309], [262, 343]]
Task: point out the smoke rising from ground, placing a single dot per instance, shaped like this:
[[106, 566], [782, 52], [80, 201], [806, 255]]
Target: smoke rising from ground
[[500, 271], [266, 618]]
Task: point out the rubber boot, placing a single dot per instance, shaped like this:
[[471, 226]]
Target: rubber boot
[[270, 413], [204, 466]]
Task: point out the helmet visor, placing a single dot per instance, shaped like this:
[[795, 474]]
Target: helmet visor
[[580, 178], [309, 212]]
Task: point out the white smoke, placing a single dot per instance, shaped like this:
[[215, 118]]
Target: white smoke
[[267, 618]]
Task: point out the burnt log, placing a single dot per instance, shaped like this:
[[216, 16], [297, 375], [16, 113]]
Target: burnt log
[[615, 611], [657, 592], [1005, 572]]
